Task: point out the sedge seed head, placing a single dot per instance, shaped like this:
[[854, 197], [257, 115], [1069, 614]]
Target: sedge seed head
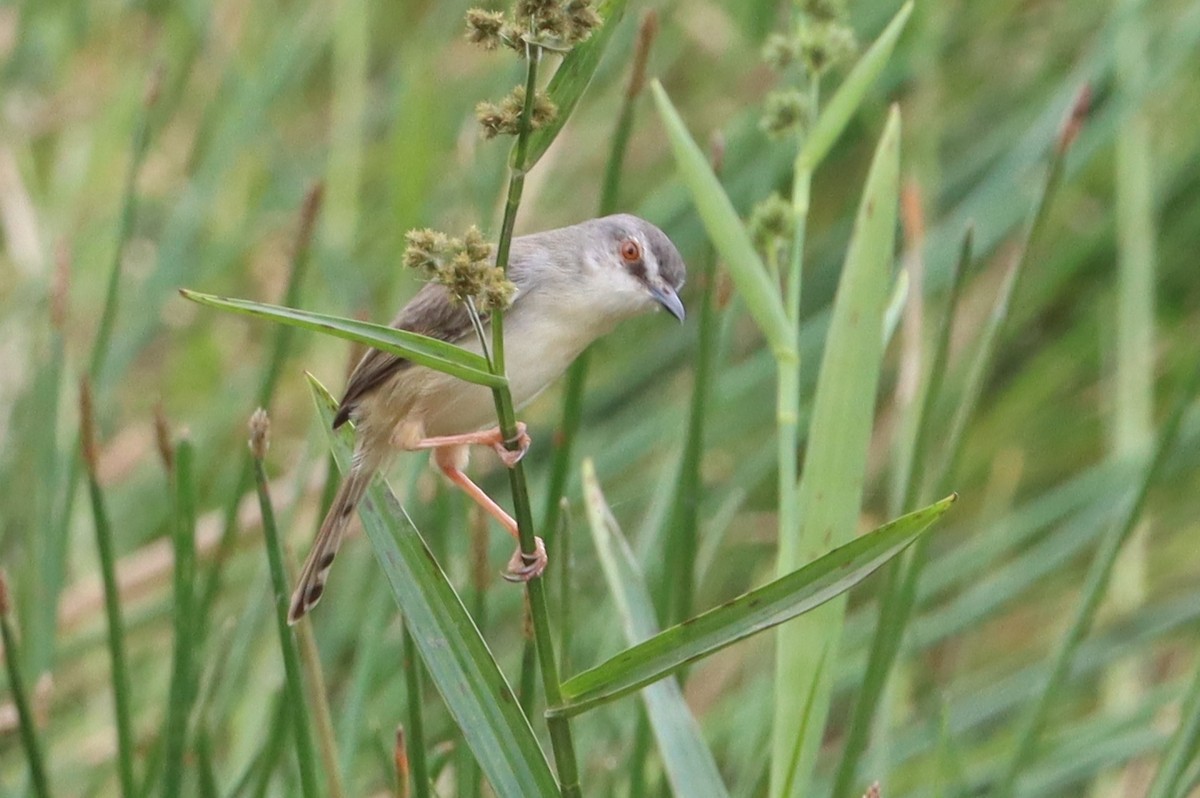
[[484, 28], [784, 112]]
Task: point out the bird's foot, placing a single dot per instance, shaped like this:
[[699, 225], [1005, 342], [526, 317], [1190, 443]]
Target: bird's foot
[[510, 457], [523, 567]]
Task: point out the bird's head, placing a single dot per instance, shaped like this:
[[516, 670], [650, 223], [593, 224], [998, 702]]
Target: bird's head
[[631, 266]]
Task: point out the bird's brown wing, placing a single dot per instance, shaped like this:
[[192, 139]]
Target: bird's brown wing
[[431, 312]]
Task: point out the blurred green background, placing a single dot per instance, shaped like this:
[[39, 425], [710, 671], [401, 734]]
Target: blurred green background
[[257, 101]]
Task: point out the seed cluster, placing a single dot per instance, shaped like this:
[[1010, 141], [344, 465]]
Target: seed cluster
[[771, 224], [819, 40], [464, 265], [530, 27]]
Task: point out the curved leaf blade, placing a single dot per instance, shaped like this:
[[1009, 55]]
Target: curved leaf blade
[[687, 760], [753, 612], [849, 95], [456, 657], [420, 349]]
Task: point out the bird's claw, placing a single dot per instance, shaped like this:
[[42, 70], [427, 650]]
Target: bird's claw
[[510, 457], [523, 567]]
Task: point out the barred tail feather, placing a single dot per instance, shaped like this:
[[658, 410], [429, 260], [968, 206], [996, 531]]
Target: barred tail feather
[[311, 583]]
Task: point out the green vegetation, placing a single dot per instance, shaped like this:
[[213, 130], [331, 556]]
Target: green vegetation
[[933, 249]]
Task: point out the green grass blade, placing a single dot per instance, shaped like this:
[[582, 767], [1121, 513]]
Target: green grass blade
[[760, 609], [1182, 749], [725, 228], [420, 349], [20, 696], [689, 763], [306, 756], [1094, 589], [835, 464], [572, 77], [849, 95], [183, 668], [112, 597], [414, 738], [456, 657]]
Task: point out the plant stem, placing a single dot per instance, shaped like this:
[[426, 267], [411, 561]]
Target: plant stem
[[112, 598], [305, 755], [415, 731], [16, 686], [182, 690], [560, 730]]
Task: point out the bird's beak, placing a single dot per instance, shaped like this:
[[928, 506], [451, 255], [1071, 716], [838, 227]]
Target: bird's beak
[[665, 295]]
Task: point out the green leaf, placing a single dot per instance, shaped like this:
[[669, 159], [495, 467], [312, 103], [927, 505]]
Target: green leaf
[[725, 228], [572, 77], [420, 349], [760, 609], [687, 760], [849, 95], [836, 460], [455, 655], [1182, 748]]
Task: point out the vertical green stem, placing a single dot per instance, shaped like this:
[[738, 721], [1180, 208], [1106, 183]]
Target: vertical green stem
[[305, 754], [112, 597], [16, 685], [183, 669], [1133, 422], [560, 730], [415, 732]]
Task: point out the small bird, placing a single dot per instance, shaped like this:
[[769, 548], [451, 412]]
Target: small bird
[[573, 285]]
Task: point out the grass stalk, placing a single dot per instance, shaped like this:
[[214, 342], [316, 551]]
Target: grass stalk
[[183, 668], [322, 719], [1094, 589], [415, 736], [683, 520], [560, 729], [1133, 410], [305, 755], [16, 686], [112, 597], [1181, 749]]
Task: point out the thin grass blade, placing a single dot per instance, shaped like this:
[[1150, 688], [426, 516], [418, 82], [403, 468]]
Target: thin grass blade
[[835, 463], [420, 349], [763, 608], [688, 761], [725, 228], [1182, 749], [849, 95], [183, 668], [16, 686], [456, 657], [306, 756]]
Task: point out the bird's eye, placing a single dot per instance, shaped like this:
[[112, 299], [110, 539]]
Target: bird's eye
[[631, 251]]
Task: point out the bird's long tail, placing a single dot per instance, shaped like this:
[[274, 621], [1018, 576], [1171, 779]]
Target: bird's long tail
[[311, 583]]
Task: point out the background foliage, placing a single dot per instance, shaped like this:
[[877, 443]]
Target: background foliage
[[177, 142]]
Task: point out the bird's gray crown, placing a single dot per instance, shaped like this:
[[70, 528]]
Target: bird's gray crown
[[671, 267]]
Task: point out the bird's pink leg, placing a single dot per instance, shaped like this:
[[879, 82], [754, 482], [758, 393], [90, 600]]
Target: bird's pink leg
[[492, 437], [521, 567]]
